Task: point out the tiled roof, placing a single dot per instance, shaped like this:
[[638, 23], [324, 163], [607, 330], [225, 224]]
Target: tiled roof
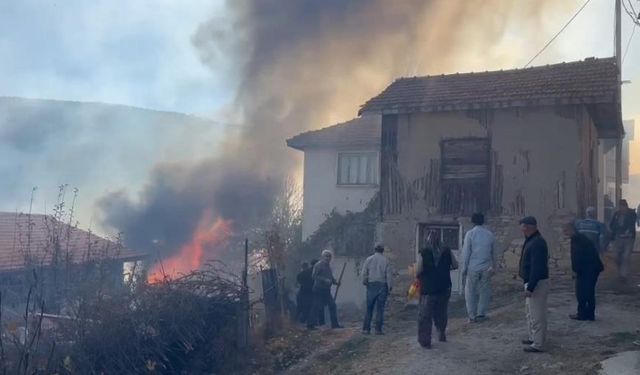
[[361, 131], [589, 81], [19, 244]]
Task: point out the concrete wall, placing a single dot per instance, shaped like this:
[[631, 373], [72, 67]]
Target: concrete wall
[[351, 296], [543, 164], [322, 193]]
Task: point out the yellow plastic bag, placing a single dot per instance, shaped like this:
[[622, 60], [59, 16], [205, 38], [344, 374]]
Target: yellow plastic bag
[[414, 290]]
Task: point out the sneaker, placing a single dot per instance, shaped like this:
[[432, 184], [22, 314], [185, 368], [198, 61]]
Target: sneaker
[[531, 349], [576, 317], [480, 318], [472, 320], [527, 342], [442, 337], [426, 346], [379, 333]]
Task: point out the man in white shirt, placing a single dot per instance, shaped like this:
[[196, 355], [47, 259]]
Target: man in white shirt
[[479, 263], [377, 275]]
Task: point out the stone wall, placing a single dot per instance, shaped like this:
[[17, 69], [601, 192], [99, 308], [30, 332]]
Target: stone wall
[[509, 240]]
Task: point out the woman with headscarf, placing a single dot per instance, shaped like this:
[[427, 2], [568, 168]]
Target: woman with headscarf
[[433, 270]]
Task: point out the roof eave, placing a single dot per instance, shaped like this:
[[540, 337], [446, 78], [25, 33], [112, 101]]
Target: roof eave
[[295, 145], [407, 109]]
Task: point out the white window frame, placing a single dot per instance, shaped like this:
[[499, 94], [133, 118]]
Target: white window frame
[[375, 173]]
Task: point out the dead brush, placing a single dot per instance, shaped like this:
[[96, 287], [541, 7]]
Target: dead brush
[[186, 325]]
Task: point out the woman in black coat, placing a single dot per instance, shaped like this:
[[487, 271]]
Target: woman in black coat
[[434, 272]]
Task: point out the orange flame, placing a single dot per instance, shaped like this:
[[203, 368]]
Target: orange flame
[[209, 234]]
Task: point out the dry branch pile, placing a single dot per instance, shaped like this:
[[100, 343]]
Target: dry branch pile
[[182, 326], [178, 326]]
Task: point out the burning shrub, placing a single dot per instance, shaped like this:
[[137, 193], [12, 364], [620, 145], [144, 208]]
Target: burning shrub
[[187, 325]]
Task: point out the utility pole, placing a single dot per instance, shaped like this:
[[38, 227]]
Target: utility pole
[[618, 55], [243, 314]]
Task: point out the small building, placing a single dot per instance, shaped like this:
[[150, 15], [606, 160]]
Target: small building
[[341, 169], [508, 143], [55, 258]]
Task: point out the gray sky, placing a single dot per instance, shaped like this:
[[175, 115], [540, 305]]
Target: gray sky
[[140, 53], [137, 52]]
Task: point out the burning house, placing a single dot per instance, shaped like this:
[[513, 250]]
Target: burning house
[[41, 252]]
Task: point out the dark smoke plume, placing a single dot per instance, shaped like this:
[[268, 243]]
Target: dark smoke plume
[[305, 64]]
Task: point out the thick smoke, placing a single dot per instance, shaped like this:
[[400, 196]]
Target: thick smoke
[[305, 64]]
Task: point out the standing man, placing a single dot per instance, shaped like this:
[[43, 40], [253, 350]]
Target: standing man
[[594, 230], [479, 262], [534, 272], [377, 276], [322, 281], [623, 232], [586, 266], [434, 272], [305, 292]]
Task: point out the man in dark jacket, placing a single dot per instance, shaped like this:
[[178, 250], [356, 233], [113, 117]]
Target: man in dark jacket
[[586, 266], [433, 269], [322, 281], [534, 272], [623, 232], [305, 292]]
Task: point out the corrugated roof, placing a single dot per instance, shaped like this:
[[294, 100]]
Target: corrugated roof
[[589, 81], [361, 131], [20, 245]]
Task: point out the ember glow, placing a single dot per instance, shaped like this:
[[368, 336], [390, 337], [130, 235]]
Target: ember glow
[[211, 234]]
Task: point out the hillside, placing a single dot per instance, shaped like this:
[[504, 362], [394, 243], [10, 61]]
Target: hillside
[[96, 147]]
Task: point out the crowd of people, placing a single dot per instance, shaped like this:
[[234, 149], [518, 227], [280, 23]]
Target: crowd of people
[[478, 263]]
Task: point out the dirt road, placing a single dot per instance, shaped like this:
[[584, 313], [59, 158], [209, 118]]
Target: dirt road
[[493, 346]]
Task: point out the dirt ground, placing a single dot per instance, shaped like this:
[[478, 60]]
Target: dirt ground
[[493, 346]]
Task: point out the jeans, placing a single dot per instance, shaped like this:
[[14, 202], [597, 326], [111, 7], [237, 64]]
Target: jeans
[[622, 249], [536, 306], [477, 293], [433, 311], [321, 298], [377, 293], [586, 294]]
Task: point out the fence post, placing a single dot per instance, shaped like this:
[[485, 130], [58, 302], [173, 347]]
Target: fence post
[[243, 314]]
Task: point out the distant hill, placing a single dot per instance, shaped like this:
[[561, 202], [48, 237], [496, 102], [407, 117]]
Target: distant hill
[[20, 117], [96, 147]]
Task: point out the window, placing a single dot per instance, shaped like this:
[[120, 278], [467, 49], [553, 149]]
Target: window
[[358, 168], [449, 234], [465, 174]]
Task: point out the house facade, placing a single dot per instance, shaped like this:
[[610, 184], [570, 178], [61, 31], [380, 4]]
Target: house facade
[[507, 143], [341, 169]]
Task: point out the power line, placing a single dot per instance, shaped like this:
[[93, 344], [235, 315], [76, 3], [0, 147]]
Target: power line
[[631, 11], [559, 32], [629, 43]]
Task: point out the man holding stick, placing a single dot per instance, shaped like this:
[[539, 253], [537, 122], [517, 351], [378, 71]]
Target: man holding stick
[[322, 281]]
